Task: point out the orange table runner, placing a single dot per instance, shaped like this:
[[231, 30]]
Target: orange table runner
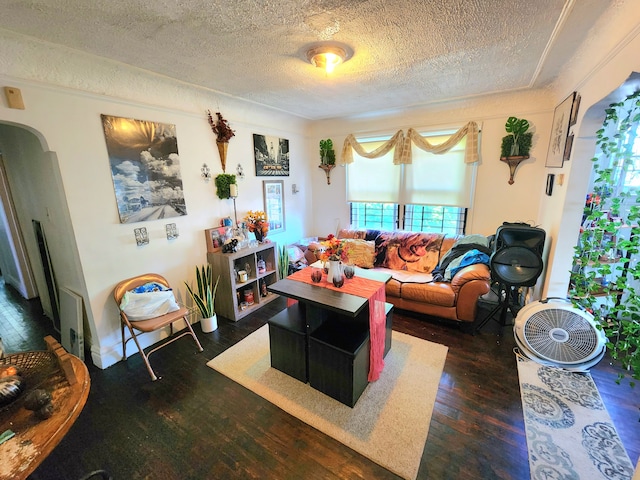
[[361, 287]]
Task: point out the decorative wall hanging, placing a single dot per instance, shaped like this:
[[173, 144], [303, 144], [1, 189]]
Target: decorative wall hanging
[[142, 237], [574, 110], [145, 167], [271, 156], [172, 231], [223, 185], [559, 131], [273, 191], [516, 144], [223, 134]]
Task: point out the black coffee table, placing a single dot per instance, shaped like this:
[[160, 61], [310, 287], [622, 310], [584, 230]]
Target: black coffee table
[[324, 337]]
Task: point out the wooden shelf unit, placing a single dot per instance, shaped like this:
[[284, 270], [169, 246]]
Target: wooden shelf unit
[[230, 294]]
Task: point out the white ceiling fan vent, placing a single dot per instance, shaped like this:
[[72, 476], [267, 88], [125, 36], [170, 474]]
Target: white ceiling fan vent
[[554, 332]]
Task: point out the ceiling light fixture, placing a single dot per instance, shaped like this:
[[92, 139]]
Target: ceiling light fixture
[[326, 57]]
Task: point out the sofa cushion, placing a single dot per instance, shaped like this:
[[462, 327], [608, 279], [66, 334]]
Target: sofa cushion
[[434, 293], [412, 251]]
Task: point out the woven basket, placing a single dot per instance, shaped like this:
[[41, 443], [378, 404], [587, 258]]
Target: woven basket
[[35, 368]]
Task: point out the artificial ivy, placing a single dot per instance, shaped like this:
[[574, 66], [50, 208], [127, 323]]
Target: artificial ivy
[[602, 252], [222, 184]]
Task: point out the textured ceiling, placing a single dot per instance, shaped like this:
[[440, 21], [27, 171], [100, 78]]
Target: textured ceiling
[[405, 53]]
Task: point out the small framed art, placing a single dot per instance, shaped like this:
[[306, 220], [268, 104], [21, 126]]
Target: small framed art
[[215, 238], [273, 191], [559, 132]]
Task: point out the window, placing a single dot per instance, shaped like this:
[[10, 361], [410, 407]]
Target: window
[[416, 218], [432, 193]]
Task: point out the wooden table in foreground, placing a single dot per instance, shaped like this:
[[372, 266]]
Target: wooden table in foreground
[[66, 377], [324, 339]]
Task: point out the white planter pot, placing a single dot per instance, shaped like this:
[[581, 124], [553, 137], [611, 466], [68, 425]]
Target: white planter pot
[[210, 324]]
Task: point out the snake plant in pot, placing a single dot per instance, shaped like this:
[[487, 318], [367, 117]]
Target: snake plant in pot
[[204, 297]]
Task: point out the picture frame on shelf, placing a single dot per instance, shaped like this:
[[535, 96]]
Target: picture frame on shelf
[[215, 238], [559, 132], [273, 194]]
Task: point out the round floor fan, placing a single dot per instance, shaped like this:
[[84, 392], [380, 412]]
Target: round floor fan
[[553, 332]]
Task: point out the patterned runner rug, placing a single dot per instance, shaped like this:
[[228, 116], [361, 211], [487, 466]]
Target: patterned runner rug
[[570, 435]]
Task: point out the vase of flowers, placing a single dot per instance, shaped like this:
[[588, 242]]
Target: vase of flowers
[[334, 252], [223, 134], [256, 222]]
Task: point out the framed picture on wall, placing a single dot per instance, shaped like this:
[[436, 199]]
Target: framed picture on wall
[[145, 168], [559, 132], [271, 155], [273, 191]]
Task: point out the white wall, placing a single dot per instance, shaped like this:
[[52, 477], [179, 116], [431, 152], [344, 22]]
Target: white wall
[[69, 121], [495, 200]]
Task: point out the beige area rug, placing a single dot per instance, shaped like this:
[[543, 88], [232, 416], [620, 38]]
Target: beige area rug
[[569, 431], [390, 421]]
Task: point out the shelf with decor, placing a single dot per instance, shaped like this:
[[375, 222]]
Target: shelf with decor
[[244, 278]]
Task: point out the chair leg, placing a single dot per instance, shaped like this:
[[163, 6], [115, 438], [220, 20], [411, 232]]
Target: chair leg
[[144, 356], [124, 343], [193, 334]]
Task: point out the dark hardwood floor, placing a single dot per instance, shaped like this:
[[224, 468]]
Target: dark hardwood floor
[[195, 423]]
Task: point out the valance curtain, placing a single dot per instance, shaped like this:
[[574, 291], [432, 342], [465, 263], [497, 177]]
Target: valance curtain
[[441, 176], [402, 153]]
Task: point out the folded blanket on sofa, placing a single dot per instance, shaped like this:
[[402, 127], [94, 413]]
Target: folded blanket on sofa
[[453, 258]]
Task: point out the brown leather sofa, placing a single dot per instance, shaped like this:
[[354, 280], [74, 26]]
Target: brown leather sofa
[[410, 258]]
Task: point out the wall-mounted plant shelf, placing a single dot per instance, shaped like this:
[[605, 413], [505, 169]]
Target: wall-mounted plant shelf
[[513, 163], [327, 170]]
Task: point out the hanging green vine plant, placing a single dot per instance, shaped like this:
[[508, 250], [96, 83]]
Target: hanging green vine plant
[[606, 275]]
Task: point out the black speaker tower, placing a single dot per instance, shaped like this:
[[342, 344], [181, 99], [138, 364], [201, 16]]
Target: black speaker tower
[[516, 262]]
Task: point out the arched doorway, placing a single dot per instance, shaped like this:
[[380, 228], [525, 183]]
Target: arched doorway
[[38, 245]]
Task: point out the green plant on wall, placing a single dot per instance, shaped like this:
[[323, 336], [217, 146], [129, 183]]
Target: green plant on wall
[[222, 184], [327, 153], [518, 140], [605, 278]]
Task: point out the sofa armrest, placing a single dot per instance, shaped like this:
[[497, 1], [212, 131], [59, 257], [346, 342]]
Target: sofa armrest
[[469, 284], [478, 271]]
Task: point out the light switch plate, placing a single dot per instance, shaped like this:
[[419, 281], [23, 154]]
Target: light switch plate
[[14, 97]]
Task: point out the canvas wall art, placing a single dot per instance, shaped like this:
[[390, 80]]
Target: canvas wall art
[[145, 167], [271, 156]]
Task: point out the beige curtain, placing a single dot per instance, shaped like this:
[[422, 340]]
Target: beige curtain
[[402, 152], [471, 151], [350, 144]]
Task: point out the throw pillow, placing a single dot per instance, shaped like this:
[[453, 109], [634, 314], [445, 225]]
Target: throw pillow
[[415, 252], [361, 253]]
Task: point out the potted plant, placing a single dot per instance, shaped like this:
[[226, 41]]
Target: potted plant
[[327, 158], [518, 141], [204, 297], [223, 134], [604, 279], [516, 145], [223, 182], [327, 153]]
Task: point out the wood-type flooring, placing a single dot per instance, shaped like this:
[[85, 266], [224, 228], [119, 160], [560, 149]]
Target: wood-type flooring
[[194, 423]]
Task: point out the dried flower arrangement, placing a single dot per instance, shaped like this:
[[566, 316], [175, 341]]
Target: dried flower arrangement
[[220, 127]]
